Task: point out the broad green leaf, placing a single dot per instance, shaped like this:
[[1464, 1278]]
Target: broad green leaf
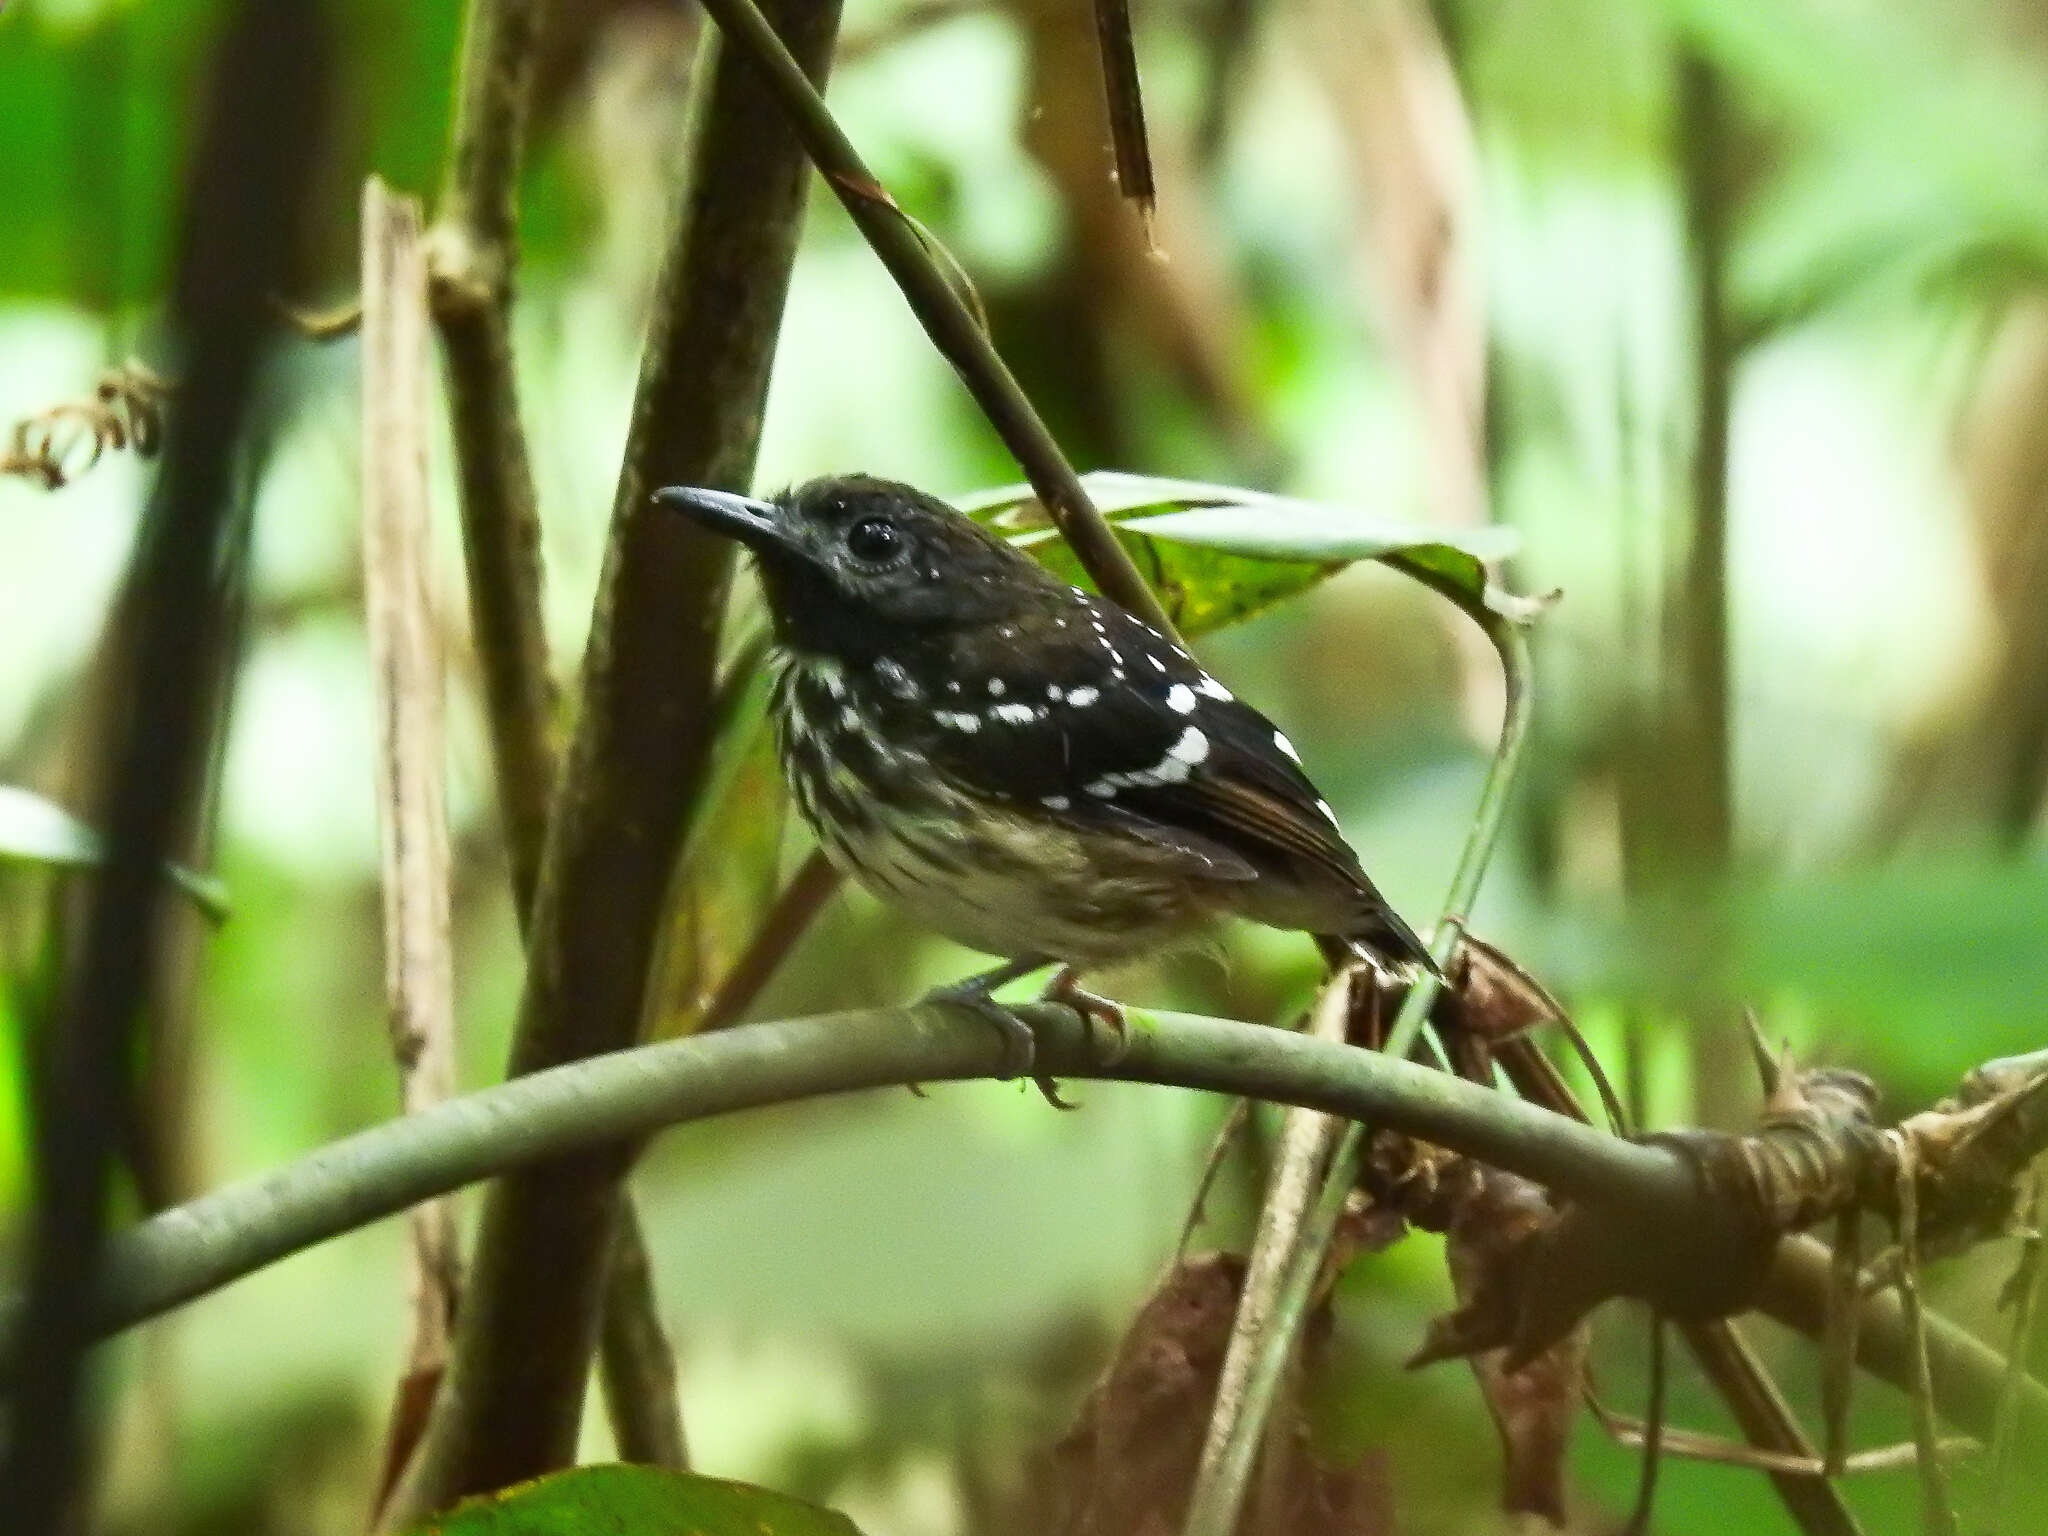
[[624, 1500], [1217, 554], [34, 831]]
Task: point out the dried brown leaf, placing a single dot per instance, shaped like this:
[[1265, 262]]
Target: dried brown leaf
[[1126, 1466]]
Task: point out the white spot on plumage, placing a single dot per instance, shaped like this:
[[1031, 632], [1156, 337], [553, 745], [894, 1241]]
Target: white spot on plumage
[[952, 685], [1157, 664], [895, 679], [957, 721], [1055, 692], [1191, 749], [1180, 698], [1280, 740], [1055, 802], [1015, 714], [849, 717], [1212, 688], [1083, 696], [997, 687], [835, 681], [1324, 807], [1102, 789]]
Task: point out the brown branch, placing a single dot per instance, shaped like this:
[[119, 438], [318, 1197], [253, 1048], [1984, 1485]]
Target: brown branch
[[638, 1372], [1737, 1375], [406, 668], [636, 766], [475, 250]]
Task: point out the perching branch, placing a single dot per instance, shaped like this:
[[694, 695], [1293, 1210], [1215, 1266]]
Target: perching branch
[[636, 766], [1653, 1187]]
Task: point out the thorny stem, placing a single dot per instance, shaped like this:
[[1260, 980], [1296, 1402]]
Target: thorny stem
[[939, 309], [1237, 1427]]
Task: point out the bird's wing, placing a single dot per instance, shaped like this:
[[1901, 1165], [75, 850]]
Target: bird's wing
[[1103, 723]]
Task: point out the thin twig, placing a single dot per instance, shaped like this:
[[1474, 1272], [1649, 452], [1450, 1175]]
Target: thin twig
[[1689, 1446], [639, 1375], [1237, 1426], [945, 318], [1937, 1514], [406, 667], [1306, 1139], [780, 927], [1125, 103], [1731, 1367], [1653, 1433], [1234, 1125], [2029, 1281]]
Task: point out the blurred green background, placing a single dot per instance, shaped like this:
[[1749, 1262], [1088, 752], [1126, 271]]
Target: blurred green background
[[1827, 218]]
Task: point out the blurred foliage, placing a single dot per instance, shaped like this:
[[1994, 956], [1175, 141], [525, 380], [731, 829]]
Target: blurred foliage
[[884, 1304], [625, 1500]]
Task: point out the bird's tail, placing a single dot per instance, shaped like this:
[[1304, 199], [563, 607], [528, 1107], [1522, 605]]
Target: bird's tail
[[1382, 935]]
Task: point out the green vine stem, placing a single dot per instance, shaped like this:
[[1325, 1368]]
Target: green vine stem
[[198, 1247], [1238, 1422]]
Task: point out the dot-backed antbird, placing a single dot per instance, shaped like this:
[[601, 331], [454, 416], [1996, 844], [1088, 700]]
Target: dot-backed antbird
[[1020, 765]]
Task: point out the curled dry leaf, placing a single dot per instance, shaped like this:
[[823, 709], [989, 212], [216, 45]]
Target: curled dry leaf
[[56, 446], [1488, 1218], [1128, 1462]]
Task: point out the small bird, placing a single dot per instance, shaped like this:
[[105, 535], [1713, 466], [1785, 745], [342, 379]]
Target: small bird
[[1019, 764]]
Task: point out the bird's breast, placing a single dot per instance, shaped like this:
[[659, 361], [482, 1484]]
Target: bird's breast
[[1002, 878]]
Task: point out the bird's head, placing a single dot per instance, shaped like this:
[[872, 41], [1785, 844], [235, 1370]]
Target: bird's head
[[853, 566]]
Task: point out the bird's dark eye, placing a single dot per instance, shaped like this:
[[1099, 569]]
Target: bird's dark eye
[[874, 541]]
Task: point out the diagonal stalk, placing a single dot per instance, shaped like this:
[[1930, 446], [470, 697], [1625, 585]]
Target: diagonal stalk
[[1258, 1355], [907, 251]]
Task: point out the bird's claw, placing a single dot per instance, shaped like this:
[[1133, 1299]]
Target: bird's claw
[[1020, 1046], [1065, 987]]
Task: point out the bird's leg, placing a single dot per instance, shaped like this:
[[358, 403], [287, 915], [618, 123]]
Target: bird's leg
[[1065, 987], [973, 994]]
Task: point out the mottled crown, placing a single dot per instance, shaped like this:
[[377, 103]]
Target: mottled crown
[[859, 561]]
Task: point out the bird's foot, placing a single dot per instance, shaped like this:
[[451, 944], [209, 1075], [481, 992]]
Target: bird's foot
[[1065, 987], [1020, 1046]]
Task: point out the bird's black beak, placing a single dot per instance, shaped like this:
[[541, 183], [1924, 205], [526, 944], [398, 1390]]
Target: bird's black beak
[[760, 525]]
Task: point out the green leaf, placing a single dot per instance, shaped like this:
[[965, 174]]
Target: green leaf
[[35, 831], [625, 1500], [1218, 554]]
